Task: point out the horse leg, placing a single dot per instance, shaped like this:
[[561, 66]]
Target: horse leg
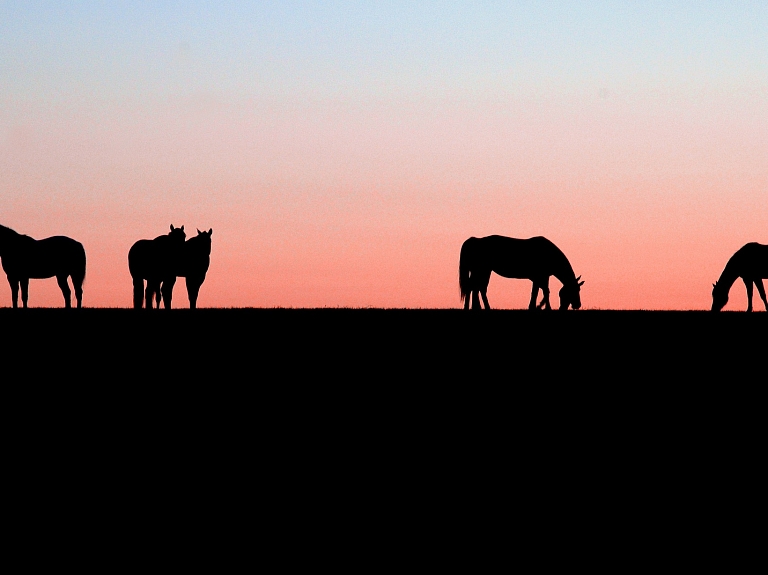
[[748, 283], [77, 283], [481, 286], [193, 288], [761, 291], [138, 293], [14, 283], [65, 291], [168, 291], [152, 288], [534, 295], [543, 285], [545, 295], [24, 284], [466, 299]]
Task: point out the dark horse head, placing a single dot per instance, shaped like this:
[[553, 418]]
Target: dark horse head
[[570, 294], [202, 241], [177, 234], [719, 296]]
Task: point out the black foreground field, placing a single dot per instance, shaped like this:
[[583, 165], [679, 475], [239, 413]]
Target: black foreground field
[[382, 356], [430, 420], [298, 345], [309, 370]]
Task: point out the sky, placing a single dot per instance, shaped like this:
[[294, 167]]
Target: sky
[[343, 151]]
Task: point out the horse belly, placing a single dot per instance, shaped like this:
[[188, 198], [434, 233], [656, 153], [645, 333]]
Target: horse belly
[[516, 271], [762, 268], [42, 271], [756, 270], [147, 262]]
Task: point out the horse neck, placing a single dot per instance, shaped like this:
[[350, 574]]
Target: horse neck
[[7, 236], [564, 272], [6, 232], [197, 247], [729, 276]]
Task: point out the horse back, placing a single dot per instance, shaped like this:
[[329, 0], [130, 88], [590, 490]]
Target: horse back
[[141, 258], [521, 258], [154, 259], [61, 244], [49, 257], [751, 260]]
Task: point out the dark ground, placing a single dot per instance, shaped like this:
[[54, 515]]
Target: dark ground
[[392, 370], [367, 347], [432, 419]]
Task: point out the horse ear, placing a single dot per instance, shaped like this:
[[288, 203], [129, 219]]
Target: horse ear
[[210, 232], [182, 228], [577, 279], [714, 284], [581, 283], [172, 228]]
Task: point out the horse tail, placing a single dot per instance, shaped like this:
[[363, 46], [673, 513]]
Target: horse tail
[[84, 267], [78, 274], [465, 268]]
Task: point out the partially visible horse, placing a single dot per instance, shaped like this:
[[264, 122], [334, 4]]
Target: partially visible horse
[[750, 263], [535, 259], [25, 258], [156, 261], [195, 260]]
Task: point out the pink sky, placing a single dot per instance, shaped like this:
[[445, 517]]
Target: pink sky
[[342, 152], [350, 205]]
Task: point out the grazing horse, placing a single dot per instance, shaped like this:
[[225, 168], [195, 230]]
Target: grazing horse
[[195, 260], [156, 261], [750, 263], [25, 258], [535, 259]]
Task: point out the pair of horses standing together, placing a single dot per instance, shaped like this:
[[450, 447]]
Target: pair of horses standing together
[[161, 260], [538, 258]]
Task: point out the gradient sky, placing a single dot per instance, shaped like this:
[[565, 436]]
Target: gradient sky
[[343, 151]]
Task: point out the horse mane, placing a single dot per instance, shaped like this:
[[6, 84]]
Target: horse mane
[[8, 235], [570, 275]]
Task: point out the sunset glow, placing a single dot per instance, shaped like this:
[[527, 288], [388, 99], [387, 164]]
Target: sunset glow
[[342, 152]]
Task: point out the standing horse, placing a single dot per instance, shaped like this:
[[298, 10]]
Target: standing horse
[[750, 263], [25, 258], [195, 260], [535, 259], [156, 261]]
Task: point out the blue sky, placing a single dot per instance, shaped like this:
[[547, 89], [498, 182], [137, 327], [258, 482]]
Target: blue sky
[[351, 50]]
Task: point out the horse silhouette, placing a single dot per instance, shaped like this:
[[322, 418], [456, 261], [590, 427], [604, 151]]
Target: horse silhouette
[[535, 259], [195, 260], [25, 258], [156, 261], [750, 263]]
